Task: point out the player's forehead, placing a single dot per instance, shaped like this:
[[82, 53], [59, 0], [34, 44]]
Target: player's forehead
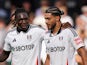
[[22, 15], [47, 15]]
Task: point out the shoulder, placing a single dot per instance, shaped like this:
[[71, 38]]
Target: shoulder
[[36, 27], [37, 30], [11, 31], [70, 31]]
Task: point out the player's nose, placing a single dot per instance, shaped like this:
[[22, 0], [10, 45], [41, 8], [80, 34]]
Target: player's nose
[[23, 21]]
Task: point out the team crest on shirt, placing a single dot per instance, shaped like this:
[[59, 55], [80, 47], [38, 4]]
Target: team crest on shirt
[[61, 38], [29, 37], [14, 40]]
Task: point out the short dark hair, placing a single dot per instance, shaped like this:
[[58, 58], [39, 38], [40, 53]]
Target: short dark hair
[[18, 11], [55, 11]]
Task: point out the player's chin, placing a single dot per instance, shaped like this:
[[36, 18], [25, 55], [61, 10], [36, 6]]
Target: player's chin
[[24, 27]]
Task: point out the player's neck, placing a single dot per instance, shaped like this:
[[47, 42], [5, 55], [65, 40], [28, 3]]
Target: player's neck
[[56, 28], [19, 29]]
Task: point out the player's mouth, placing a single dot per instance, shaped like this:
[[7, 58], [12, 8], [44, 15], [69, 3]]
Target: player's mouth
[[24, 26]]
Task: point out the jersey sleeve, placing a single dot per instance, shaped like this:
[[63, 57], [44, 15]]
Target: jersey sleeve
[[75, 39], [7, 46]]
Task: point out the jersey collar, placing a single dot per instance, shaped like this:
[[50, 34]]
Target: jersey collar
[[51, 35]]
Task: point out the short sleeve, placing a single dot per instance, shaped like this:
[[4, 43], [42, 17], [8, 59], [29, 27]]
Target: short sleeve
[[7, 46], [75, 39]]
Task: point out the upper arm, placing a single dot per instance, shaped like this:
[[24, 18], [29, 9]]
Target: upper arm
[[75, 39], [79, 46], [81, 51]]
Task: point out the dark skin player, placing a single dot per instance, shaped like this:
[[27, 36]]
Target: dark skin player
[[22, 25]]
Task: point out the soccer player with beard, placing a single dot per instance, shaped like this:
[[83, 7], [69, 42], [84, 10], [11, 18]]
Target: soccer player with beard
[[61, 44]]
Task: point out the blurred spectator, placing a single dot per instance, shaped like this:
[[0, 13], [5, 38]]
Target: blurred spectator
[[31, 18], [28, 7], [66, 18], [7, 4], [81, 20], [40, 21], [4, 17], [72, 7], [81, 27], [3, 21], [59, 3], [3, 29], [39, 16], [44, 4]]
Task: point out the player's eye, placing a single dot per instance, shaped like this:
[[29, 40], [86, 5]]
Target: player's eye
[[47, 18]]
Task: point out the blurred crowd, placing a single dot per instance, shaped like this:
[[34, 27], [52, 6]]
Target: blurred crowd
[[75, 13]]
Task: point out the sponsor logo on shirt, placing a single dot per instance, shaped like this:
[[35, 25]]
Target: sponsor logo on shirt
[[55, 49], [23, 48]]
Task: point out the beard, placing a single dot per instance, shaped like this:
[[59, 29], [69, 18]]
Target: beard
[[51, 28]]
